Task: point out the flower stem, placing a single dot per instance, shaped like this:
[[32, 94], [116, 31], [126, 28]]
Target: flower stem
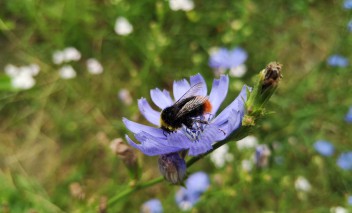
[[137, 187]]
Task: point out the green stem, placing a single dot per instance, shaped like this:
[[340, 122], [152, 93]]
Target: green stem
[[138, 187]]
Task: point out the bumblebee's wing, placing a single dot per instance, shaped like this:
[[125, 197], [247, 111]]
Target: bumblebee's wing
[[191, 105], [191, 92]]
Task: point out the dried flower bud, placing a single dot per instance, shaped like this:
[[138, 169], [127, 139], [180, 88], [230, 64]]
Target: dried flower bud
[[77, 191], [267, 83], [103, 204], [121, 149], [127, 155], [172, 167]]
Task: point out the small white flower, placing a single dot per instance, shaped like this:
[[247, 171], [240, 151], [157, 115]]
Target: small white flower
[[24, 80], [238, 71], [247, 143], [247, 165], [122, 26], [67, 72], [35, 69], [302, 184], [94, 67], [58, 57], [11, 70], [125, 96], [338, 209], [71, 54], [221, 155], [185, 5]]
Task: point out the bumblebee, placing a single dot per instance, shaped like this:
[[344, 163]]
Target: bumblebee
[[185, 111]]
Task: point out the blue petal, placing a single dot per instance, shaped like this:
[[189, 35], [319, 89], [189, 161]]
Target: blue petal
[[152, 146], [198, 182], [218, 92], [160, 98], [150, 114], [195, 79], [152, 206], [178, 139], [199, 147], [180, 88], [325, 148], [211, 134], [137, 128], [237, 105], [237, 57]]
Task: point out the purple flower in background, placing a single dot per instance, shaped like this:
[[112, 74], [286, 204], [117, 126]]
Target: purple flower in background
[[348, 117], [196, 185], [261, 156], [349, 26], [349, 200], [337, 61], [345, 161], [347, 4], [198, 140], [324, 148], [152, 206], [224, 58]]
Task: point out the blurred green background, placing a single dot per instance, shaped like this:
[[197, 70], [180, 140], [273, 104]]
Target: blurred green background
[[55, 136]]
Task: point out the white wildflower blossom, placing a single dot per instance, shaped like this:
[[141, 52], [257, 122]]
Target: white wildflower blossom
[[67, 72], [185, 5], [248, 142], [338, 209], [94, 67], [71, 54], [247, 165], [221, 155], [11, 70], [123, 26], [22, 77], [24, 80], [302, 184], [66, 55], [58, 57]]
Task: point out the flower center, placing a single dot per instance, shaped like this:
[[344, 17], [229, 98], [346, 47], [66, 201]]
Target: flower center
[[198, 127]]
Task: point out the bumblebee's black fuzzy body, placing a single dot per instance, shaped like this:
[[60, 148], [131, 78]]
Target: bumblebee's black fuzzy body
[[170, 121]]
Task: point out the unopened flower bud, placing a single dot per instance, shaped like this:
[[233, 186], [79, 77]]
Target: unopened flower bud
[[172, 167], [124, 151], [267, 83], [127, 155]]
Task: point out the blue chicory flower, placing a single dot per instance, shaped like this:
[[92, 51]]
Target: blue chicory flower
[[348, 117], [324, 148], [347, 4], [349, 200], [337, 61], [155, 141], [345, 161], [349, 26], [196, 185], [152, 206], [227, 59]]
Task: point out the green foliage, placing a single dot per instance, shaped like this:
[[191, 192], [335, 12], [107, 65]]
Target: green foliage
[[58, 132]]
